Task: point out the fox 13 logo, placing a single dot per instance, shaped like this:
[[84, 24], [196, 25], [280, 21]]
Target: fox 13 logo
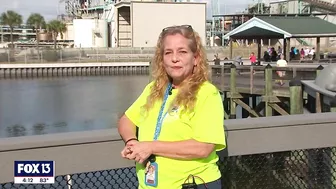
[[34, 172]]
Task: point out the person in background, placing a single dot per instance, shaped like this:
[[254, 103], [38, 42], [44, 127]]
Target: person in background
[[279, 51], [312, 53], [269, 50], [253, 60], [239, 60], [281, 63], [216, 59], [267, 57], [306, 50], [274, 55], [179, 116], [302, 53]]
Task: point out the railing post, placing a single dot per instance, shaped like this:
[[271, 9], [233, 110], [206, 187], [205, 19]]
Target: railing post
[[318, 97], [150, 67], [268, 89], [296, 97], [251, 79], [233, 91], [318, 70], [41, 59], [333, 105], [333, 151], [222, 82], [26, 56], [9, 55], [69, 181], [317, 157], [61, 55], [294, 72]]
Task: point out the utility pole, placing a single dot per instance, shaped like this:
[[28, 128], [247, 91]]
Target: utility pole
[[2, 34], [215, 11]]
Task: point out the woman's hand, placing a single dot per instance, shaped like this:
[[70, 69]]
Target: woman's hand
[[140, 151], [127, 149]]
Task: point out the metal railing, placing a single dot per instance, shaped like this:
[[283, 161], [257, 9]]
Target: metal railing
[[294, 151], [46, 54], [91, 55]]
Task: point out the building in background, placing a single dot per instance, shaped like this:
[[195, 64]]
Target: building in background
[[111, 23], [92, 22], [324, 9], [140, 23], [125, 23]]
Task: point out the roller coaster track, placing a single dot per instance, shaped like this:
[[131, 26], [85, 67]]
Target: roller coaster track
[[322, 5]]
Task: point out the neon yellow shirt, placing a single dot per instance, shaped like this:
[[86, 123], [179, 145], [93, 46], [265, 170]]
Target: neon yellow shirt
[[204, 124]]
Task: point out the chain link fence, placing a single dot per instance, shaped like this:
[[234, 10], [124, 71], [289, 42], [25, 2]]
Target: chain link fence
[[118, 54], [299, 169], [91, 55]]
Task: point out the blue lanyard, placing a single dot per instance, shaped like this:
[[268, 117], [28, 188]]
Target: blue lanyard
[[160, 118]]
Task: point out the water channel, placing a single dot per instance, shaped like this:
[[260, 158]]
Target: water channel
[[56, 105]]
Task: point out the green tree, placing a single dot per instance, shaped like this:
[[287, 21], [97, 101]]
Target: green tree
[[37, 22], [56, 27], [11, 19]]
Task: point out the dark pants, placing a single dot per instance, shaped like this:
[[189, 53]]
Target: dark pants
[[211, 185]]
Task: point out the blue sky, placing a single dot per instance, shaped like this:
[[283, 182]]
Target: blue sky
[[48, 8], [51, 8]]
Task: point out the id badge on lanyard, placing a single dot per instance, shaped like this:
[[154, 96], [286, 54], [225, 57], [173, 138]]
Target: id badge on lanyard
[[152, 168], [151, 174]]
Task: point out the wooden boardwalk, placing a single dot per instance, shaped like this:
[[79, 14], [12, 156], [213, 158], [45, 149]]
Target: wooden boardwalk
[[244, 84], [245, 81], [249, 83]]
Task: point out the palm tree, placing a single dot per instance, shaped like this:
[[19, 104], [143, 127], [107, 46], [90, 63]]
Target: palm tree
[[36, 21], [56, 27], [11, 19]]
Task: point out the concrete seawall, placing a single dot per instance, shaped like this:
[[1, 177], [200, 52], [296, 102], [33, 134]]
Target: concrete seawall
[[9, 71], [60, 65], [72, 69]]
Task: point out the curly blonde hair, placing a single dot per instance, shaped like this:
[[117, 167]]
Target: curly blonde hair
[[188, 89]]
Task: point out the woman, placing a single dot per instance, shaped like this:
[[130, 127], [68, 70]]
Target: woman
[[179, 116]]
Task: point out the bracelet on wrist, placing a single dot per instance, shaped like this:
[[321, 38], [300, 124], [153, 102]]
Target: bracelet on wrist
[[131, 140]]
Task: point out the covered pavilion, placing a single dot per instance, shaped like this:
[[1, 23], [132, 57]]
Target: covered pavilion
[[275, 27]]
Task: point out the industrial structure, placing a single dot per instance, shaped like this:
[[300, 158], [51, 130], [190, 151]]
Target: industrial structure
[[324, 9], [112, 23]]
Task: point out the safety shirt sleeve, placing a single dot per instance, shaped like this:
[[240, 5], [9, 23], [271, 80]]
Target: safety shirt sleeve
[[134, 111], [208, 124]]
